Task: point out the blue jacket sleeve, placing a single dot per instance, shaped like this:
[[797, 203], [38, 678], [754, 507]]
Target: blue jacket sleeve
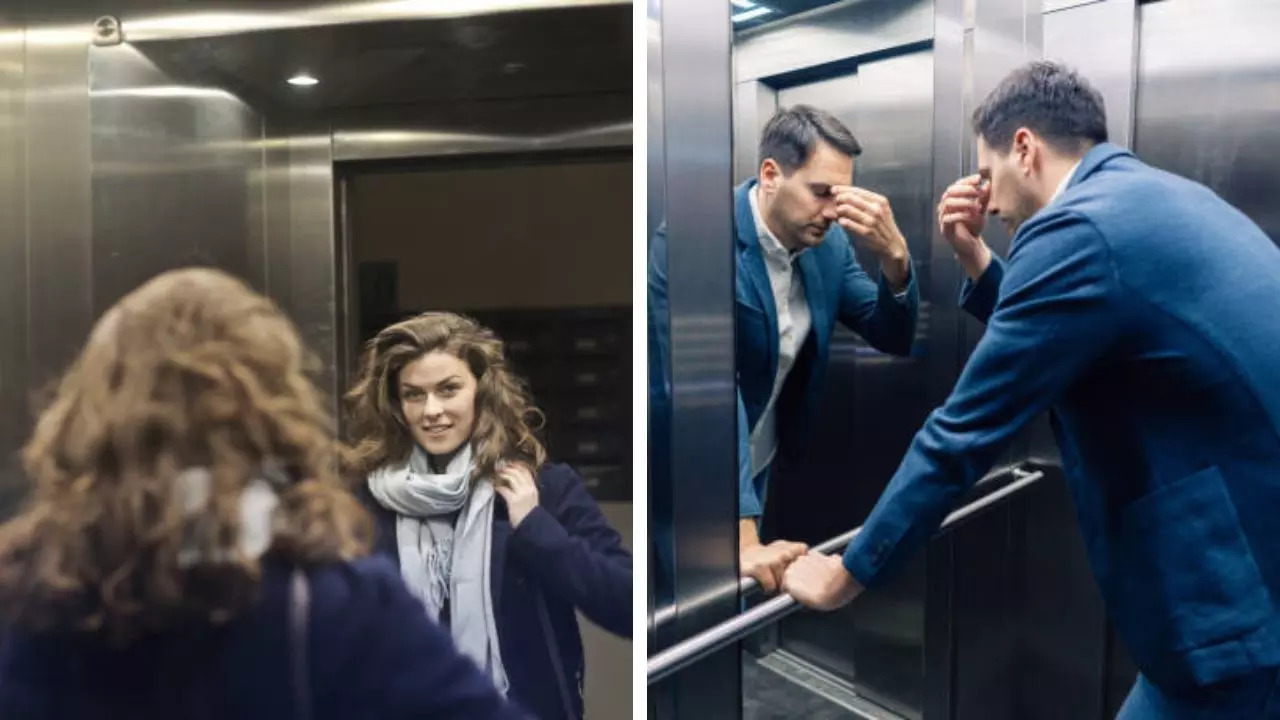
[[979, 298], [575, 554], [874, 311], [1059, 311], [376, 654], [750, 502]]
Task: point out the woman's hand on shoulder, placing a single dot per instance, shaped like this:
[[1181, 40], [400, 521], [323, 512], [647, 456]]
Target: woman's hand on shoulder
[[516, 485]]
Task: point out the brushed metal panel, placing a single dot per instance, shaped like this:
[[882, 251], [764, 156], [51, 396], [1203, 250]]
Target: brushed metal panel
[[301, 248], [174, 175], [697, 129], [828, 34], [14, 416], [1099, 39], [938, 288], [59, 215], [754, 103], [1006, 34], [1207, 101]]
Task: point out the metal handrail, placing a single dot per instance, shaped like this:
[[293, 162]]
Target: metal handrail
[[697, 647]]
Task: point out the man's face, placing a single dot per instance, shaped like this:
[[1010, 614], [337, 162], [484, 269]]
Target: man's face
[[800, 208], [1010, 176]]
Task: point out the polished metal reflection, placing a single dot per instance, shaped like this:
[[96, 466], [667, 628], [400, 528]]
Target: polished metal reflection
[[874, 402], [301, 255], [829, 34], [13, 259], [754, 103], [173, 173], [1108, 60], [700, 281], [1207, 101], [58, 192], [355, 144]]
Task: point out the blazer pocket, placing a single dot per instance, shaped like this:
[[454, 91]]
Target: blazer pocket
[[1191, 578]]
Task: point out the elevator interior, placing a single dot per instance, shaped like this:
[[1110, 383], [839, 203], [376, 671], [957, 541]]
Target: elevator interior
[[1000, 618], [293, 144]]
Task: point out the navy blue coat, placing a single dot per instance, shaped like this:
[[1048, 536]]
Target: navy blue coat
[[566, 553], [1145, 312], [373, 654], [836, 289]]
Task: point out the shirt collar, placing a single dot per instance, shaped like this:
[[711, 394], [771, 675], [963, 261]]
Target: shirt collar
[[769, 242], [1066, 179]]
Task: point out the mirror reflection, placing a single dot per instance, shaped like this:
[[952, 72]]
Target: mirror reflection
[[926, 384], [351, 434]]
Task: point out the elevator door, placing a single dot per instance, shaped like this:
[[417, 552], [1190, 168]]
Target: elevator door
[[875, 402]]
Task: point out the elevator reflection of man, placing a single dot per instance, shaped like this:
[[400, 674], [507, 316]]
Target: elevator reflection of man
[[796, 277], [1138, 306]]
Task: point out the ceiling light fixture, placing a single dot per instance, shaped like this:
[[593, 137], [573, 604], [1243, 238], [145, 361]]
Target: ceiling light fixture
[[751, 14], [303, 80]]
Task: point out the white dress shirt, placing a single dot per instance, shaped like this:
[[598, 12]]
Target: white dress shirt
[[794, 323], [1063, 185]]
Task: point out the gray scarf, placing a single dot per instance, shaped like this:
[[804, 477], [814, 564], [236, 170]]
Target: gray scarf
[[439, 560]]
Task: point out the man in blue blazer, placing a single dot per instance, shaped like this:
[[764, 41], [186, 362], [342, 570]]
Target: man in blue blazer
[[1140, 308], [796, 277]]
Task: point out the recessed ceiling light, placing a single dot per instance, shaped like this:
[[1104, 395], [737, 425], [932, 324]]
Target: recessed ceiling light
[[743, 4], [303, 80]]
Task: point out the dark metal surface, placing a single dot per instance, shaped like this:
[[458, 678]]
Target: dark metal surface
[[543, 53]]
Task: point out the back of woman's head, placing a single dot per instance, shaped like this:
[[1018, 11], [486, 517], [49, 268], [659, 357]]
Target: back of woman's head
[[191, 376], [505, 417]]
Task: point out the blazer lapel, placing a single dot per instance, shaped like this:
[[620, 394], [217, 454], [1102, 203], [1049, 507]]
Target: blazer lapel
[[752, 265], [819, 313]]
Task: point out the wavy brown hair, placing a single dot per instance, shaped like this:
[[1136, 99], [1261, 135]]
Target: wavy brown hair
[[193, 369], [505, 416]]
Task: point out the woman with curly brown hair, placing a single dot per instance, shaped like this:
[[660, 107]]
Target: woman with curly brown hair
[[441, 430], [187, 550]]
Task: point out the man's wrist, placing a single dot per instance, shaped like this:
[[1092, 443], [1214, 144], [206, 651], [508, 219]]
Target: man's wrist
[[748, 537], [896, 266], [975, 264]]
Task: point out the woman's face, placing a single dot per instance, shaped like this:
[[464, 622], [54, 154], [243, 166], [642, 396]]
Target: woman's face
[[438, 399]]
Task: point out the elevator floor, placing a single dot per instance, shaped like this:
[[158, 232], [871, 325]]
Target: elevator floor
[[771, 692]]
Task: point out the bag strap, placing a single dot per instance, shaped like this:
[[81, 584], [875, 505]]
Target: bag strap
[[554, 650], [299, 613]]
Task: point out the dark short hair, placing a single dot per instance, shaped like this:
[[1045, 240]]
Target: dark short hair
[[1048, 98], [792, 134]]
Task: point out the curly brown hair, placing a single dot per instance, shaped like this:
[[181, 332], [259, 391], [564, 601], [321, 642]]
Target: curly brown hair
[[505, 416], [191, 370]]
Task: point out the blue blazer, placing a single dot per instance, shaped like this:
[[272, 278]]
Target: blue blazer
[[564, 557], [372, 654], [1143, 310], [836, 289]]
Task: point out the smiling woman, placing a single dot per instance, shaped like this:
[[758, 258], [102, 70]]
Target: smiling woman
[[443, 438]]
